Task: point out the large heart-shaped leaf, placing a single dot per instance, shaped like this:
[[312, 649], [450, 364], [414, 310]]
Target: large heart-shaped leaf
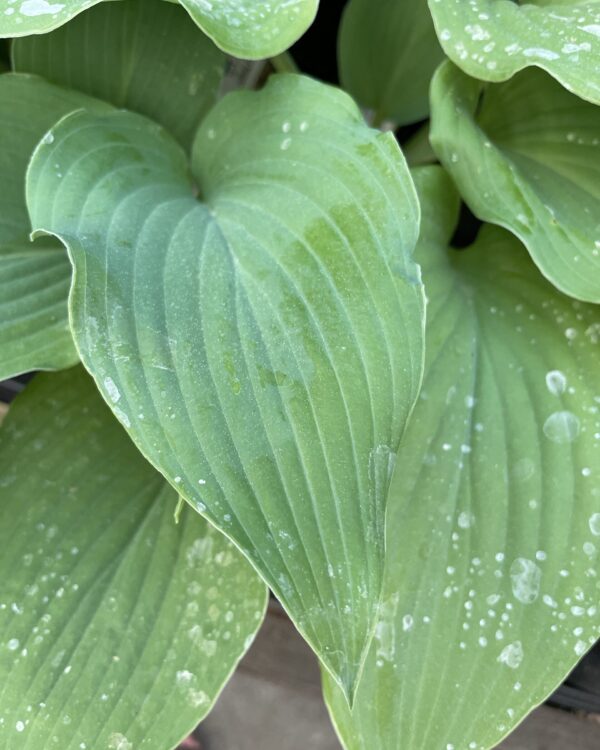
[[493, 521], [263, 347], [118, 627], [527, 157], [143, 55], [388, 56], [34, 278], [245, 28], [494, 39]]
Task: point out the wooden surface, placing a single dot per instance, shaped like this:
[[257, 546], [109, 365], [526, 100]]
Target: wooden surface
[[274, 703]]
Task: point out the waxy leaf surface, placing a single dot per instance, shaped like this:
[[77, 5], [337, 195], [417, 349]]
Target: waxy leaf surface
[[253, 29], [118, 627], [143, 55], [34, 278], [491, 590], [261, 343], [494, 39], [245, 28], [526, 156], [388, 56]]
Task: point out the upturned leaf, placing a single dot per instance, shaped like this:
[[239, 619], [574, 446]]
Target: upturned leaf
[[262, 345], [118, 627], [388, 56], [494, 39], [526, 155], [493, 530]]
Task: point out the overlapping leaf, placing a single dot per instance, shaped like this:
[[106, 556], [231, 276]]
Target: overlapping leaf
[[147, 56], [494, 39], [244, 28], [23, 17], [253, 28], [527, 156], [34, 278], [388, 56], [263, 347], [118, 627], [493, 527], [143, 55]]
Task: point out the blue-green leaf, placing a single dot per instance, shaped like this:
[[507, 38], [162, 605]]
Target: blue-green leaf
[[526, 155], [494, 39], [262, 345], [34, 278], [491, 587], [118, 627], [142, 55], [245, 28], [388, 56]]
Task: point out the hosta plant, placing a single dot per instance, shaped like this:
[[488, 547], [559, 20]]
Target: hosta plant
[[274, 362]]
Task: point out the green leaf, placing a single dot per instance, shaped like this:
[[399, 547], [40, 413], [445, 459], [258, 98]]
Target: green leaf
[[491, 586], [34, 325], [527, 157], [143, 55], [250, 29], [494, 39], [118, 628], [23, 17], [263, 347], [253, 29], [387, 57], [34, 278]]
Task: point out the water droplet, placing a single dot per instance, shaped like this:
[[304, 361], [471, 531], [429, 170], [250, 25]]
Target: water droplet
[[556, 382], [512, 655], [595, 524], [562, 427], [526, 577]]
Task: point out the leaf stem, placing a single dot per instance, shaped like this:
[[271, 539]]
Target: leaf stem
[[284, 63]]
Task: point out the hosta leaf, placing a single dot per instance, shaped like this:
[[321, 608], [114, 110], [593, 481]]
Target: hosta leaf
[[34, 325], [262, 346], [253, 28], [118, 627], [494, 39], [23, 17], [527, 157], [491, 588], [143, 55], [387, 57], [34, 278], [244, 28]]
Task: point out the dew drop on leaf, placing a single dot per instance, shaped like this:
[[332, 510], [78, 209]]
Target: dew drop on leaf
[[525, 576], [556, 382], [562, 427]]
